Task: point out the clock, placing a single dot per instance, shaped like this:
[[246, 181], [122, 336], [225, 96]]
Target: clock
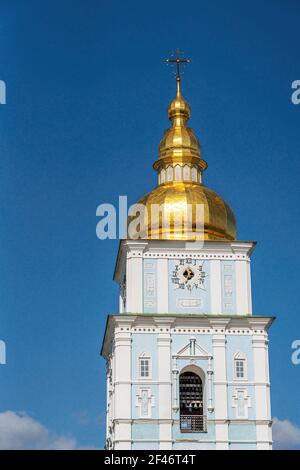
[[188, 274]]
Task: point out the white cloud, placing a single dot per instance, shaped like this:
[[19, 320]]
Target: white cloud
[[286, 435], [20, 431]]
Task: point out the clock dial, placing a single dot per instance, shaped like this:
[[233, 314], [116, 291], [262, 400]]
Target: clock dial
[[188, 275]]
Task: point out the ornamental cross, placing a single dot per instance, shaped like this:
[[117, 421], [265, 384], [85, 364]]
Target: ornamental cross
[[177, 60]]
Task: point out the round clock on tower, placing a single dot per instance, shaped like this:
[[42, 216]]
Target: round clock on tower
[[188, 275]]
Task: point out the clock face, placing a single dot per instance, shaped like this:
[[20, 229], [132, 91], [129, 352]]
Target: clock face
[[188, 275]]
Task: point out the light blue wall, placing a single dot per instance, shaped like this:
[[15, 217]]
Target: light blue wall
[[144, 431], [242, 432], [144, 343], [145, 446], [242, 446], [194, 446], [199, 436], [243, 344], [200, 296], [228, 277], [147, 342], [150, 285]]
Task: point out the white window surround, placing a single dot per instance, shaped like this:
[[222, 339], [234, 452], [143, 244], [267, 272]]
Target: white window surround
[[144, 364], [240, 365]]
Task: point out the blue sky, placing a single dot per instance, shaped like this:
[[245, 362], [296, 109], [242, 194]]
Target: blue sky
[[86, 107]]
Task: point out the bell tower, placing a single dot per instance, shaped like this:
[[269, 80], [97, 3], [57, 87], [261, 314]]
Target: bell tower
[[187, 361]]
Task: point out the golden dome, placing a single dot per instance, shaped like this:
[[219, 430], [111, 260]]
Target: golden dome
[[180, 190], [217, 219]]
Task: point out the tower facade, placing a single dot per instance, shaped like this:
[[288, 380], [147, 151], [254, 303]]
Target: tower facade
[[187, 362]]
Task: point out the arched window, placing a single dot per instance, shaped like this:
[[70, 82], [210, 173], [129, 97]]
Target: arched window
[[194, 173], [192, 417], [144, 366], [186, 173], [240, 367], [177, 173], [170, 173]]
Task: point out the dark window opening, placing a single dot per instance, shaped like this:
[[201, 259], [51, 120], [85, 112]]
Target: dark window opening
[[192, 418]]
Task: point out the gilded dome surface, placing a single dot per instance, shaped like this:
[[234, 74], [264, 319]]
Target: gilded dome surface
[[217, 219], [181, 207]]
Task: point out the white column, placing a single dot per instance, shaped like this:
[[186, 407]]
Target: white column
[[215, 287], [162, 286], [220, 384], [242, 287], [249, 287], [175, 372], [122, 387], [134, 282], [108, 398], [164, 385], [210, 407], [262, 391], [120, 304]]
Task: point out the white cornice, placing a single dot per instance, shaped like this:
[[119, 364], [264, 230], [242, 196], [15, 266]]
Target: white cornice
[[183, 324], [208, 249]]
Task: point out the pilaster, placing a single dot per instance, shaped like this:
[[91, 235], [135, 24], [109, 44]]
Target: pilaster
[[215, 287], [165, 383], [122, 387], [220, 385]]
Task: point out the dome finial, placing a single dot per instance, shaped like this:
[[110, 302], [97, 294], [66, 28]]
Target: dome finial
[[178, 87], [175, 59], [178, 107]]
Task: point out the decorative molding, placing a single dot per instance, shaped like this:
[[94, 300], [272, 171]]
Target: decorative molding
[[198, 256], [145, 401], [241, 401], [186, 353]]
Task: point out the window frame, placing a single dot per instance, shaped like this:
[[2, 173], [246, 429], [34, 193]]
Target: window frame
[[144, 357], [239, 357]]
